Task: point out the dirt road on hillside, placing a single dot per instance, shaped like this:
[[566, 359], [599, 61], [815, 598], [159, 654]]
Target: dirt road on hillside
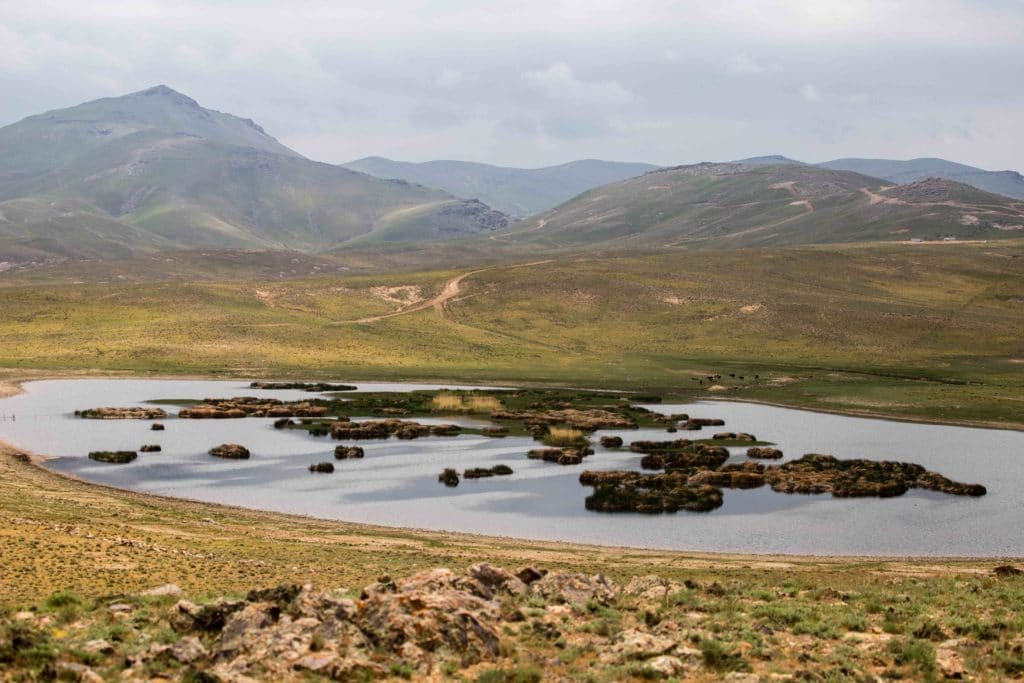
[[449, 291]]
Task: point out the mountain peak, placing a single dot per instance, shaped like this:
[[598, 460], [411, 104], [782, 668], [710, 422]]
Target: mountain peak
[[168, 93]]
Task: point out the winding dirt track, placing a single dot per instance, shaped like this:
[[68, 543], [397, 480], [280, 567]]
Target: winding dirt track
[[448, 292]]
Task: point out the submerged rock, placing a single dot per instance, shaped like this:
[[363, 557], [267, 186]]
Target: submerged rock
[[482, 472], [157, 427], [150, 448], [611, 441], [231, 451], [117, 457], [449, 477], [348, 452], [322, 467]]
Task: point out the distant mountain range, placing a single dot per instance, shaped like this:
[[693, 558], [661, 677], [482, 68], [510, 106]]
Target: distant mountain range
[[741, 204], [1007, 183], [519, 192], [153, 170]]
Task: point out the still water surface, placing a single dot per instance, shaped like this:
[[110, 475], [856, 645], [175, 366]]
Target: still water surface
[[396, 483]]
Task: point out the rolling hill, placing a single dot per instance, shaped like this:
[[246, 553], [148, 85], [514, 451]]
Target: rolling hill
[[518, 192], [153, 170], [742, 205], [1008, 183]]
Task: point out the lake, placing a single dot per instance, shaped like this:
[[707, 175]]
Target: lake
[[396, 483]]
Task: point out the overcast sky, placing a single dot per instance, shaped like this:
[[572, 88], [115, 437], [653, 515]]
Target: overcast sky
[[537, 82]]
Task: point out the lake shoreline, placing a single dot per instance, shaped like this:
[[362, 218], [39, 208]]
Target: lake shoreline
[[11, 385]]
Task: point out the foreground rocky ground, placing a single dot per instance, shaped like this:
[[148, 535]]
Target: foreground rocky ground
[[490, 624]]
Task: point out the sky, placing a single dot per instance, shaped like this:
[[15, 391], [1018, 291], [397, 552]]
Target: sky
[[537, 82]]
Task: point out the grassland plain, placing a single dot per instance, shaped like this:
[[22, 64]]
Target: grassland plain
[[928, 332]]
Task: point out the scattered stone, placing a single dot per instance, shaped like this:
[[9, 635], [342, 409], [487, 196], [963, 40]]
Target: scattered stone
[[652, 588], [77, 672], [574, 589], [666, 665], [98, 647], [632, 645], [189, 649], [231, 451], [159, 591], [530, 574]]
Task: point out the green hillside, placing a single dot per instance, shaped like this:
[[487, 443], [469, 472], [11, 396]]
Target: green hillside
[[743, 205], [154, 170]]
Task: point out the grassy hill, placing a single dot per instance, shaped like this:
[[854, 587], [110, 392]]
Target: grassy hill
[[518, 192], [1007, 183], [914, 330], [154, 170], [736, 205]]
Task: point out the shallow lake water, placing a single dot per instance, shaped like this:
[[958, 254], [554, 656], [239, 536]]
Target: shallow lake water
[[396, 483]]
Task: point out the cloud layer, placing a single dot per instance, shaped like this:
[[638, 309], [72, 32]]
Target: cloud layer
[[531, 83]]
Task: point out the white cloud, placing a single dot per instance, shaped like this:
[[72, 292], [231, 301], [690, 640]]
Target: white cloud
[[743, 65], [449, 78], [559, 82], [809, 93]]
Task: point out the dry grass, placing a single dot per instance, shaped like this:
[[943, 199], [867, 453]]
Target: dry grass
[[565, 436], [465, 404]]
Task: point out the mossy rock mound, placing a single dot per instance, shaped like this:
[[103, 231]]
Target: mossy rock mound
[[348, 452], [122, 413], [231, 451], [449, 477], [116, 457], [855, 478], [764, 453], [483, 472], [620, 491]]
